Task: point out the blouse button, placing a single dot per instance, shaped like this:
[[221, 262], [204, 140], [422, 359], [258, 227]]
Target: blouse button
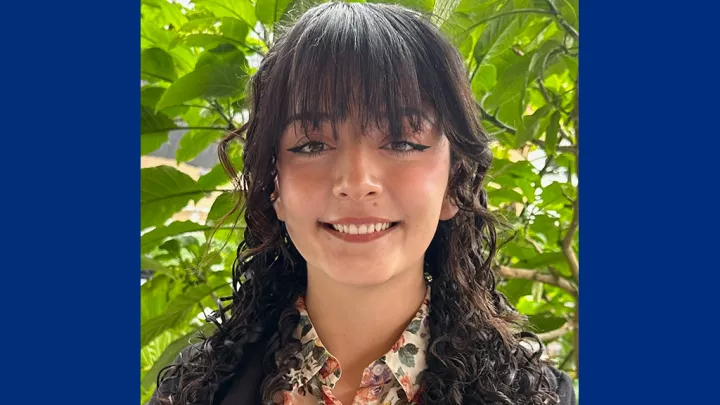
[[378, 369]]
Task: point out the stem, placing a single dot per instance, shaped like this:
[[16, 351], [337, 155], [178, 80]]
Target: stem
[[491, 118], [554, 334], [218, 108], [472, 76], [156, 76], [534, 275], [559, 18], [496, 16]]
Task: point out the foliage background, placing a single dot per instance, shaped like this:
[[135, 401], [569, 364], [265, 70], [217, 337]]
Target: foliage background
[[196, 58]]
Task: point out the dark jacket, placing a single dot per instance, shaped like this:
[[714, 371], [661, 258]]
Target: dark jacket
[[245, 388]]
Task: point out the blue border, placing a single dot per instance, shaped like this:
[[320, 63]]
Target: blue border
[[647, 108], [70, 145], [71, 208]]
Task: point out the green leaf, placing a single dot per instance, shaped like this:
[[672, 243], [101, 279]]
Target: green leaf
[[553, 196], [504, 195], [551, 134], [163, 192], [150, 95], [212, 32], [569, 11], [154, 295], [155, 237], [196, 141], [530, 126], [498, 35], [516, 288], [154, 35], [484, 80], [442, 9], [177, 311], [506, 95], [214, 178], [241, 9], [147, 263], [154, 129], [543, 260], [163, 12], [222, 205], [207, 80], [572, 65], [545, 321], [157, 63], [170, 354], [270, 11]]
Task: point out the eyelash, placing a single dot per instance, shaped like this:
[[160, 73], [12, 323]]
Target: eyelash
[[415, 147], [298, 149]]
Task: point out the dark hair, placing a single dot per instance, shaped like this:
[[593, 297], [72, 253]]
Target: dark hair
[[379, 61]]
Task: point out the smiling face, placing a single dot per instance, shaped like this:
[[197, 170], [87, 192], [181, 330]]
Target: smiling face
[[361, 207]]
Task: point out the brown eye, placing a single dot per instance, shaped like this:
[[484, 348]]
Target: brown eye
[[310, 148], [404, 147]]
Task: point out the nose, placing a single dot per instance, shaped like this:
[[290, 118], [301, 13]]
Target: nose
[[356, 175]]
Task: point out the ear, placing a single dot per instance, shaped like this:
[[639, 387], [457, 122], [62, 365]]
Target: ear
[[278, 204], [448, 210]]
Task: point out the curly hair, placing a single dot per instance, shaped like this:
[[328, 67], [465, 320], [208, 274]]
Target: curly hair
[[380, 60]]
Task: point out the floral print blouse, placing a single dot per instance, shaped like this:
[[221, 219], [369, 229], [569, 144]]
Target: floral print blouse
[[390, 380]]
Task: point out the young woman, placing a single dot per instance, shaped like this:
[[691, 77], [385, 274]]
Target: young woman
[[367, 257]]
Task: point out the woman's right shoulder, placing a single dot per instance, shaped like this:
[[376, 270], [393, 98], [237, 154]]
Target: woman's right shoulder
[[564, 386], [242, 388], [169, 384]]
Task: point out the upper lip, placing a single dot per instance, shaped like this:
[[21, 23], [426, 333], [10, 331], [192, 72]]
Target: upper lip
[[358, 221]]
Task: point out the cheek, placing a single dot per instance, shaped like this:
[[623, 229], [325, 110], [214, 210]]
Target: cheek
[[422, 186], [300, 190]]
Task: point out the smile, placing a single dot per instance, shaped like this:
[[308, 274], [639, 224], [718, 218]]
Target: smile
[[361, 229], [359, 232]]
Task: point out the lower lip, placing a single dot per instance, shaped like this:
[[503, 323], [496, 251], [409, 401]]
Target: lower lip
[[358, 238]]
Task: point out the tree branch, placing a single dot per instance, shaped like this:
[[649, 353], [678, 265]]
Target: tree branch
[[508, 272], [559, 18], [554, 334], [567, 243]]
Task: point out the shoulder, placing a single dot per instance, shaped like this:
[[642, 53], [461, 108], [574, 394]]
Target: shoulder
[[563, 385], [241, 388], [169, 385]]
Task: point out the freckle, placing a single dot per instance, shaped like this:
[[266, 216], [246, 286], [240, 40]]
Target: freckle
[[375, 204]]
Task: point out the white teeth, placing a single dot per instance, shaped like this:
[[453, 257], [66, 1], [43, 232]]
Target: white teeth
[[361, 229]]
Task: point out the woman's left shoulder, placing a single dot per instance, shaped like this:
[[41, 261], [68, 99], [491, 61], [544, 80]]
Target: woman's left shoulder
[[564, 386]]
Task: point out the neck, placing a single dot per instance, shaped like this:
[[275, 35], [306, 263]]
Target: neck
[[358, 324]]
